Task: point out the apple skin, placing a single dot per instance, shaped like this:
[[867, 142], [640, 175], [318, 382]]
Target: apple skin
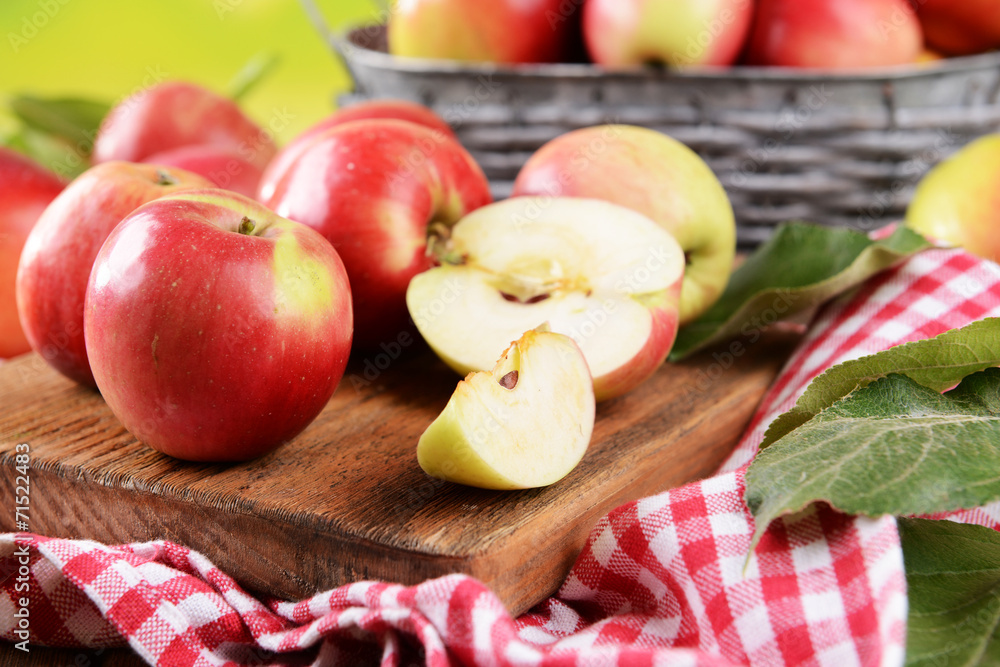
[[958, 201], [834, 34], [174, 114], [959, 27], [26, 189], [368, 110], [623, 33], [59, 254], [499, 31], [373, 188], [657, 176], [210, 343], [221, 166]]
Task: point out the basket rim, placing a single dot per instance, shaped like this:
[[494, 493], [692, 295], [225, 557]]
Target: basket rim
[[344, 44]]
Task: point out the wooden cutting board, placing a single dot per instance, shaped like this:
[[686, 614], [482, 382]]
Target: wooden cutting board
[[346, 500]]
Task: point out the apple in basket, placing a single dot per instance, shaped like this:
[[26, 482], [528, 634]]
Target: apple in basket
[[26, 188], [60, 251], [524, 424], [381, 191], [960, 27], [499, 31], [834, 34], [216, 330], [174, 114], [367, 110], [620, 33], [657, 176], [607, 276], [958, 201]]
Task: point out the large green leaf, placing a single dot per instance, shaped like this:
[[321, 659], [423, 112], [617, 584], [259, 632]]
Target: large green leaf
[[953, 581], [938, 363], [893, 447], [801, 266]]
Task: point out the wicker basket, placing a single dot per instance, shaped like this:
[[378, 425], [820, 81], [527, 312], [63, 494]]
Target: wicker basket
[[833, 149]]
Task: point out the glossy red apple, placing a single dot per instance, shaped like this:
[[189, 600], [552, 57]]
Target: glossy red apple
[[26, 188], [369, 110], [622, 33], [216, 329], [834, 34], [960, 27], [499, 31], [221, 166], [175, 114], [380, 191], [60, 251]]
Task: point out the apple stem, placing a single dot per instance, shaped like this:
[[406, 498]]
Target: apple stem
[[247, 225], [163, 177]]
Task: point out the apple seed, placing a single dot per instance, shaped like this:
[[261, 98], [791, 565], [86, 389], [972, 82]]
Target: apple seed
[[509, 381]]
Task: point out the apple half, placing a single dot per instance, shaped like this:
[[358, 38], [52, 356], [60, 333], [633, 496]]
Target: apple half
[[604, 275], [525, 424]]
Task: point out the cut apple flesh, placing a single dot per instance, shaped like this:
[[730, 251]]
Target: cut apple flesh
[[525, 424], [604, 275]]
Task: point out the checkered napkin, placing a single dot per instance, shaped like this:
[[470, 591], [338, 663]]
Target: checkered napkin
[[661, 580]]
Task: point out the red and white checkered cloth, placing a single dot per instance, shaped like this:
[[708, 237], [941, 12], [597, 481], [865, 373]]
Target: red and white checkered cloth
[[661, 580]]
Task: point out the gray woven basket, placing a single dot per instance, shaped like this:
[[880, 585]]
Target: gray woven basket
[[832, 149]]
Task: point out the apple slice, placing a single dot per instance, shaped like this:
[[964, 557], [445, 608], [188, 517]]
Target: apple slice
[[527, 423], [604, 275]]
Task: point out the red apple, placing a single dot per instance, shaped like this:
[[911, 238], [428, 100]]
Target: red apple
[[216, 329], [499, 31], [26, 188], [372, 109], [60, 251], [221, 166], [175, 114], [834, 34], [381, 191], [621, 33], [960, 27]]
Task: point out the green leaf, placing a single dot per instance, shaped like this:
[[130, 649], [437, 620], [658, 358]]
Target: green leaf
[[251, 74], [938, 363], [800, 267], [953, 582], [72, 120], [893, 447]]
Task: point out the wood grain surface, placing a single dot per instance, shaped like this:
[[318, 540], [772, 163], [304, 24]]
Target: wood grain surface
[[346, 500]]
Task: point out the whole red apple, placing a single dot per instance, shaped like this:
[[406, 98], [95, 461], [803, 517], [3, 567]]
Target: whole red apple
[[960, 27], [60, 251], [26, 188], [834, 34], [221, 166], [369, 110], [621, 33], [175, 114], [216, 329], [499, 31], [380, 191]]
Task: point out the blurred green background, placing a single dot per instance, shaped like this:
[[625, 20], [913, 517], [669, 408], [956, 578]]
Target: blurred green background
[[105, 49]]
